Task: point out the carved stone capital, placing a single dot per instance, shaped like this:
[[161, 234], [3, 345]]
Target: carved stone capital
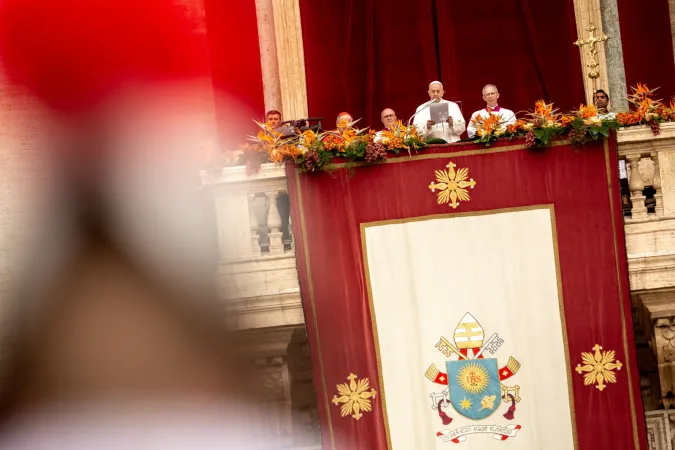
[[656, 317]]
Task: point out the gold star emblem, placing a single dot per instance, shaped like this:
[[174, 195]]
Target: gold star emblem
[[354, 397], [599, 367], [465, 403], [452, 185]]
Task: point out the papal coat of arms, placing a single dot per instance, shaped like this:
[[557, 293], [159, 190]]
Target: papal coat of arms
[[474, 384]]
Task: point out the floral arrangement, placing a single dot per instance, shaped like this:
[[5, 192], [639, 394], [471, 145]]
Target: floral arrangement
[[540, 126], [648, 111], [545, 123], [489, 129], [313, 151]]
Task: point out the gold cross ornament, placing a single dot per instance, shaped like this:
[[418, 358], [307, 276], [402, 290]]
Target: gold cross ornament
[[592, 49]]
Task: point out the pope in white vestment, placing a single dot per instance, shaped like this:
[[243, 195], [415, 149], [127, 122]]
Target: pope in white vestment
[[449, 130], [491, 95]]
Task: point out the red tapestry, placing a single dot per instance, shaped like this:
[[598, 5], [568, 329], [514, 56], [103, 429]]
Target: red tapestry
[[580, 185]]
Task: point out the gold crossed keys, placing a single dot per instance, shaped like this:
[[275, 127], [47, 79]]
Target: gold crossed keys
[[354, 397], [592, 49], [451, 185]]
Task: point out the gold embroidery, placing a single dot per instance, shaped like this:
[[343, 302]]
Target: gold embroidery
[[599, 367], [355, 397], [451, 185]]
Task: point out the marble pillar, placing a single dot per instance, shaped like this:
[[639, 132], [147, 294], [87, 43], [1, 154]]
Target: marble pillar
[[268, 54], [291, 58], [616, 72]]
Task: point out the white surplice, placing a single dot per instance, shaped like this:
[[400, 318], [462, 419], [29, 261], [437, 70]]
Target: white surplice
[[508, 117], [440, 130]]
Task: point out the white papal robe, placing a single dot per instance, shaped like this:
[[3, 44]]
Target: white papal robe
[[440, 130], [508, 117]]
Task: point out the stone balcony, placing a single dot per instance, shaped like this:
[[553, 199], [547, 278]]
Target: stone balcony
[[257, 280], [650, 248], [257, 271], [258, 274]]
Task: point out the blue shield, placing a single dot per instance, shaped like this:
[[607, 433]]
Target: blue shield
[[475, 391]]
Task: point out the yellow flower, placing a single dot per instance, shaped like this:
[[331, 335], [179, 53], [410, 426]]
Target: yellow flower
[[309, 137]]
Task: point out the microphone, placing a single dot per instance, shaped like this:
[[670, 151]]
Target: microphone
[[426, 105]]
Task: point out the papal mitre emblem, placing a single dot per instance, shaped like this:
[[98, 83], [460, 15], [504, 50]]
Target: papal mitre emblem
[[469, 335]]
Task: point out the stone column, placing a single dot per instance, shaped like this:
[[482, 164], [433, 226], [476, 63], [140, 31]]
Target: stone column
[[291, 58], [267, 349], [616, 72], [268, 54], [656, 318], [587, 14]]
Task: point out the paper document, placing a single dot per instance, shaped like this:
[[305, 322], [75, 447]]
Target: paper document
[[439, 112]]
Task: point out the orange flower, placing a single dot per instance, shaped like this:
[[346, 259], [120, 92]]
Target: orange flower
[[627, 118], [486, 126], [349, 135], [512, 128], [333, 142], [265, 137], [587, 111], [290, 150], [309, 138], [541, 108], [566, 120], [342, 124], [641, 90]]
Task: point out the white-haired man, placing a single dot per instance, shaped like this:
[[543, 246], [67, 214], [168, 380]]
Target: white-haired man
[[448, 130], [491, 97]]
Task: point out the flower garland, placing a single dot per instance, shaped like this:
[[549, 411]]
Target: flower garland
[[313, 151], [540, 126], [545, 123]]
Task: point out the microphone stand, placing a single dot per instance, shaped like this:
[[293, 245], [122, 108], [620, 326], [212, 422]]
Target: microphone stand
[[426, 105]]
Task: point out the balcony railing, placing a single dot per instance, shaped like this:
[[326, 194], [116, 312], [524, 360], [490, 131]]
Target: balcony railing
[[257, 272], [650, 228]]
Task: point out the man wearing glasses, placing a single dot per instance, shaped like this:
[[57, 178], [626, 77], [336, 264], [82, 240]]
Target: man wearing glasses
[[388, 117]]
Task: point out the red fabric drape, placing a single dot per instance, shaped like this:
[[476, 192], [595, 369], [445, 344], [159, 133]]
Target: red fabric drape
[[329, 210], [648, 45], [522, 46], [235, 68], [364, 56]]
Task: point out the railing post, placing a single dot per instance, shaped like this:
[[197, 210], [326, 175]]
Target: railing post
[[658, 195], [274, 224], [636, 186], [253, 219]]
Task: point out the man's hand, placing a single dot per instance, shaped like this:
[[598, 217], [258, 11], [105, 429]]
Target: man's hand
[[450, 121], [430, 123]]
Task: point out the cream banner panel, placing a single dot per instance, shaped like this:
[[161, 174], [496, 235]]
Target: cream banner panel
[[470, 332]]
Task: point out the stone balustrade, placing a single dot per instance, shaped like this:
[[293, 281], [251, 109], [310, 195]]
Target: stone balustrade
[[258, 282], [650, 229], [257, 272], [650, 248]]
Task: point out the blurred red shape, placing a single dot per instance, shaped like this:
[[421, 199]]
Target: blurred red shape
[[72, 53]]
